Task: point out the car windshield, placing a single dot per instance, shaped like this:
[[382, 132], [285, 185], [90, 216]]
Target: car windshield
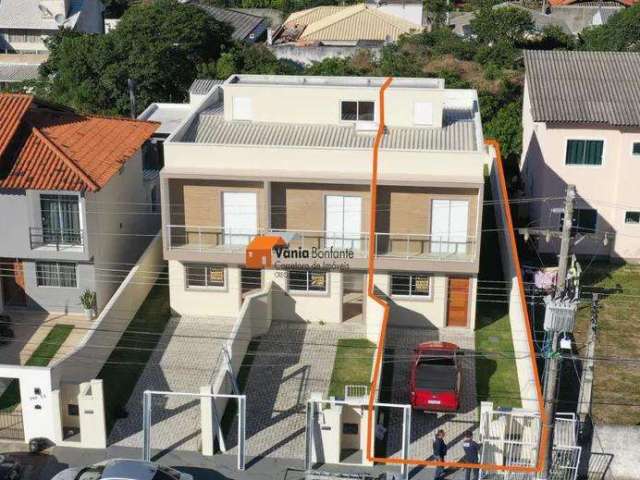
[[166, 473], [93, 472], [436, 360]]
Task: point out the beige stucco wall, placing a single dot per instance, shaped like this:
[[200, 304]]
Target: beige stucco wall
[[430, 312], [610, 188], [332, 165], [294, 102], [291, 305], [204, 302], [302, 206]]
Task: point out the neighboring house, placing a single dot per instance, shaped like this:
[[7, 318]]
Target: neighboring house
[[572, 18], [74, 213], [246, 26], [290, 157], [581, 126], [339, 31], [17, 68], [26, 24]]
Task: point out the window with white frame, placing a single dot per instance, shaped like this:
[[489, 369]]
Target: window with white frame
[[584, 152], [635, 149], [60, 219], [242, 108], [632, 218], [56, 274], [205, 276], [410, 285], [307, 281], [357, 111]]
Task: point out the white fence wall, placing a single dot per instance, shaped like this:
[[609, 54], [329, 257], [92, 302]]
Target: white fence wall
[[254, 320], [615, 452], [517, 318], [87, 359]]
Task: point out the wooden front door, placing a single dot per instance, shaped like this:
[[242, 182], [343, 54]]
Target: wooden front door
[[13, 293], [458, 302]]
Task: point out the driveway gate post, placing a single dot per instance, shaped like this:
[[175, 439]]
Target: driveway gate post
[[146, 426]]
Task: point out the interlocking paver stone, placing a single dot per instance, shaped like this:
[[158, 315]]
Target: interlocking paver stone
[[185, 359]]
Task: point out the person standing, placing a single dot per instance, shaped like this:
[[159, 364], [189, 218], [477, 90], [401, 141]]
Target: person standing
[[439, 452], [471, 455]]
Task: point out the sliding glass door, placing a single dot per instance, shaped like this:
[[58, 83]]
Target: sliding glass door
[[60, 219]]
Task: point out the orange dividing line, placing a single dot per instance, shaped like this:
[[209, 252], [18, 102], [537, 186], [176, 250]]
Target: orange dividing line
[[385, 318]]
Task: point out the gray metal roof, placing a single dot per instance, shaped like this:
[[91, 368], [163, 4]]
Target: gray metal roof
[[584, 87], [243, 23], [457, 134], [25, 14], [202, 86], [17, 72]]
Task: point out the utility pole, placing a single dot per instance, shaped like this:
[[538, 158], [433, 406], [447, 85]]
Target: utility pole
[[586, 382], [552, 362]]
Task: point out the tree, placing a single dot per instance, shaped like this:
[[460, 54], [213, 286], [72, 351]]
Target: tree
[[437, 12], [252, 59], [552, 38], [506, 127], [159, 45], [501, 24], [620, 33]]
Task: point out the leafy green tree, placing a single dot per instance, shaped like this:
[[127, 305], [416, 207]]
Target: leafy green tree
[[399, 60], [506, 127], [620, 33], [159, 45], [443, 41], [437, 11], [253, 59], [554, 38], [508, 25]]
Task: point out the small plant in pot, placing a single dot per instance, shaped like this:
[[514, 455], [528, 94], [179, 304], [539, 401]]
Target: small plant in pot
[[88, 300]]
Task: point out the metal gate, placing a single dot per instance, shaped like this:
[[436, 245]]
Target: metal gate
[[11, 427], [214, 425]]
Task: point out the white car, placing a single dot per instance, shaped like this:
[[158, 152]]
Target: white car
[[122, 469]]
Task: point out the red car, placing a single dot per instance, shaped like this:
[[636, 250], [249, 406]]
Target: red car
[[435, 377]]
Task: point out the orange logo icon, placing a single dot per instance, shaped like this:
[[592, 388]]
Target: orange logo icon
[[259, 251]]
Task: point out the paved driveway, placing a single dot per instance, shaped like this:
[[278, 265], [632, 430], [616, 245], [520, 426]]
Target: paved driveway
[[423, 425], [186, 358], [293, 360]]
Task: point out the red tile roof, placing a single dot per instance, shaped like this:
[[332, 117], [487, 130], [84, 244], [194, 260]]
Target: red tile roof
[[60, 150], [12, 109]]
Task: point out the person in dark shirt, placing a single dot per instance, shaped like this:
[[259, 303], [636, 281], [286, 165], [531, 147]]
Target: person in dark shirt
[[471, 455], [439, 452]]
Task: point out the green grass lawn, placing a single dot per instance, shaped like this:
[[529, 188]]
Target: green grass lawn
[[496, 374], [124, 366], [39, 358], [616, 395], [353, 364]]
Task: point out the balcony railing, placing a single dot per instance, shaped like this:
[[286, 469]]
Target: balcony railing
[[58, 239], [388, 245]]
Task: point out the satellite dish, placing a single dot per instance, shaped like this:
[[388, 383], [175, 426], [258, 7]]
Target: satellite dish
[[46, 13], [60, 18]]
